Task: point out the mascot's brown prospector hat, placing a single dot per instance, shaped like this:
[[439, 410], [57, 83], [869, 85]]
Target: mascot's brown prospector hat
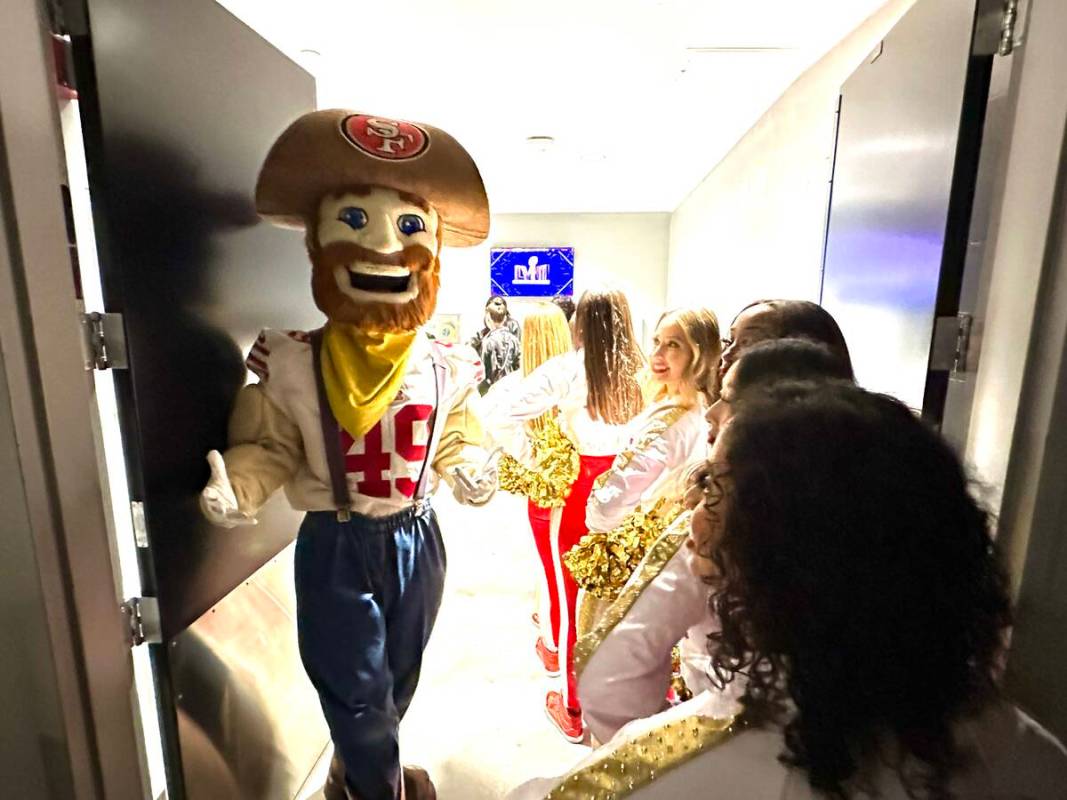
[[327, 151]]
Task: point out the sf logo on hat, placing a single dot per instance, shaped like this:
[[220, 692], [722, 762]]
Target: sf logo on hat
[[385, 138]]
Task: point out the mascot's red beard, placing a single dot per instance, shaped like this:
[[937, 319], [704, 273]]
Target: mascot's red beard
[[425, 271]]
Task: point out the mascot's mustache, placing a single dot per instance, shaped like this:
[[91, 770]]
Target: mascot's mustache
[[415, 257]]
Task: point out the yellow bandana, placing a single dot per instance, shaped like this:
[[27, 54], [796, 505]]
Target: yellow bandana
[[362, 371]]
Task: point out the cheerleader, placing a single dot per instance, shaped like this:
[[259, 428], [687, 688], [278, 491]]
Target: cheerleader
[[625, 664], [864, 604], [597, 393], [640, 495], [546, 475]]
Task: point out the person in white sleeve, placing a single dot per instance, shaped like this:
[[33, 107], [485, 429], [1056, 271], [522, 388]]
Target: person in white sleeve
[[545, 335], [865, 599], [597, 393], [624, 666], [646, 483], [671, 434]]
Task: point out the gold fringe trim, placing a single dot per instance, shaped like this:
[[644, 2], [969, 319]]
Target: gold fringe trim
[[681, 689], [601, 563], [641, 760], [590, 610], [555, 468]]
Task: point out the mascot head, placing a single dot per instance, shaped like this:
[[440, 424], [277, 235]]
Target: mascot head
[[377, 198]]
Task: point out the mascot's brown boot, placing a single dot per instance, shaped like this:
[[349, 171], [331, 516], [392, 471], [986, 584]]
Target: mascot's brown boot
[[417, 784]]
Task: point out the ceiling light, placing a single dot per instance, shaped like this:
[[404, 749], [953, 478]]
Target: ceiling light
[[540, 144]]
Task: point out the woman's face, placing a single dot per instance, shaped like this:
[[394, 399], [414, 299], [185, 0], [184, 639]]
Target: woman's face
[[671, 356], [751, 326], [722, 409], [707, 524]]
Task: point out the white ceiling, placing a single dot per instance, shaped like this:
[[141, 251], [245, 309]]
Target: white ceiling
[[642, 97]]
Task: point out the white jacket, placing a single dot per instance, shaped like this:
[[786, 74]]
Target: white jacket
[[558, 383], [688, 756], [628, 668], [668, 441]]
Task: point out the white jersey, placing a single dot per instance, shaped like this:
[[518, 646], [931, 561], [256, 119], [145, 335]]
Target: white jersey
[[383, 467]]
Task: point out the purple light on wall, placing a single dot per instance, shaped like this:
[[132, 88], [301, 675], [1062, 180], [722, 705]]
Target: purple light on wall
[[873, 267]]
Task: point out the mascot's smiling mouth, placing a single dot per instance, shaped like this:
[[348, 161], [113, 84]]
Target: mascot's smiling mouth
[[379, 278], [377, 283]]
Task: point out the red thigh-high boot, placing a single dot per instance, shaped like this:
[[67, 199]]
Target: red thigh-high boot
[[563, 708], [547, 646]]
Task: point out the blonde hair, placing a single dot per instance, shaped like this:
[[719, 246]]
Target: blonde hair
[[604, 329], [700, 328], [545, 334]]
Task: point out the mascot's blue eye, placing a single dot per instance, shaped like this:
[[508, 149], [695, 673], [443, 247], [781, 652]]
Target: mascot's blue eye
[[410, 224], [354, 218]]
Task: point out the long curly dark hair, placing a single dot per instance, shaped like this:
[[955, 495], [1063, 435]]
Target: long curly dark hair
[[860, 591]]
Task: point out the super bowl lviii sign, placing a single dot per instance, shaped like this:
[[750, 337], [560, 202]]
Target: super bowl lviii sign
[[531, 271]]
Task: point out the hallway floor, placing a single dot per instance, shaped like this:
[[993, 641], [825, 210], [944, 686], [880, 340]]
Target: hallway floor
[[477, 722]]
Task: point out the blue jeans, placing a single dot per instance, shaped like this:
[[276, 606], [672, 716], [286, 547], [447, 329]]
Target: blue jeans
[[367, 594]]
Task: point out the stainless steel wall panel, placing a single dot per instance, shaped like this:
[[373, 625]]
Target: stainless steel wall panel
[[893, 184], [249, 720]]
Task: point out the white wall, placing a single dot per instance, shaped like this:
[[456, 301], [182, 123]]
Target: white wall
[[754, 226], [624, 251]]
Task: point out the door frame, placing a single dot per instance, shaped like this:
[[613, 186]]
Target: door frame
[[52, 402]]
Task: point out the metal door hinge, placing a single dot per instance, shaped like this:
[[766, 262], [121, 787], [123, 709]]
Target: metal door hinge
[[1010, 27], [140, 527], [998, 28], [105, 341], [952, 341], [142, 621]]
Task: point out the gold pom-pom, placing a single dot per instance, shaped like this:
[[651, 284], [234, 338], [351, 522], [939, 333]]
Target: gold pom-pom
[[681, 691], [555, 468], [601, 563]]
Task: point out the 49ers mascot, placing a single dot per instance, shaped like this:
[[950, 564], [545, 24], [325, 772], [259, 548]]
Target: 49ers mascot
[[353, 418]]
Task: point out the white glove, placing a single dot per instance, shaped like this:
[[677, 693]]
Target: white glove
[[474, 490], [217, 500]]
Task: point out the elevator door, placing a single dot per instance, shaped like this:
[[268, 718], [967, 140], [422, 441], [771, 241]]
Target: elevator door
[[180, 102], [903, 186]]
